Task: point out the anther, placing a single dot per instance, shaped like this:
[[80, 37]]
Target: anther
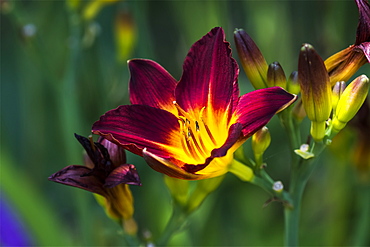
[[197, 126]]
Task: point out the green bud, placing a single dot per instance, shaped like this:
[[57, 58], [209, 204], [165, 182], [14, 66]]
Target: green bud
[[315, 90], [251, 58], [261, 141], [276, 75], [292, 84], [350, 102]]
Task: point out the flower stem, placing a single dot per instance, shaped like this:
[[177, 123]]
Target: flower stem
[[176, 222], [299, 177]]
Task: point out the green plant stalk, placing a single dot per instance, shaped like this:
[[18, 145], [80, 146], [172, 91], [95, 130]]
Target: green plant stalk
[[174, 225], [301, 172]]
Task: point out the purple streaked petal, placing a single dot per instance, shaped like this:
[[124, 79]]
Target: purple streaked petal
[[136, 127], [255, 109], [168, 166], [150, 84], [76, 176], [116, 153], [209, 75], [363, 28], [365, 47], [125, 173]]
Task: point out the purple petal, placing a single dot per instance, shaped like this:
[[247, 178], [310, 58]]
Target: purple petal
[[116, 153], [209, 75], [125, 173], [150, 84], [168, 166], [363, 28], [76, 176], [365, 47], [255, 109], [136, 127]]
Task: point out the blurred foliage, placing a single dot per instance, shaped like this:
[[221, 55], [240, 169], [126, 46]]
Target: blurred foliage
[[60, 70]]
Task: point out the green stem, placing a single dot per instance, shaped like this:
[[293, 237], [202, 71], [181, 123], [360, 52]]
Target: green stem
[[299, 177], [176, 222]]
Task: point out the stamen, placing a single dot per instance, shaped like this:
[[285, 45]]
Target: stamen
[[206, 127], [180, 110], [200, 150]]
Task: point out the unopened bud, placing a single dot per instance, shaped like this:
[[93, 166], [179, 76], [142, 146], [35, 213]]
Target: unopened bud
[[315, 90], [337, 92], [251, 58], [125, 34], [350, 102], [276, 75], [298, 111], [292, 83], [261, 141]]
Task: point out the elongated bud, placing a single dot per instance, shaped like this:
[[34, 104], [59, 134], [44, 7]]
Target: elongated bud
[[315, 90], [292, 83], [276, 75], [350, 102], [261, 141], [125, 35], [337, 92], [251, 58], [93, 8], [73, 4]]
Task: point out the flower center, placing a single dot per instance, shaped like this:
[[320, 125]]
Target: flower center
[[196, 138]]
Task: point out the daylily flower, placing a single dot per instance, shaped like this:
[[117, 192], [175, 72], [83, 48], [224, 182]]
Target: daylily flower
[[342, 65], [191, 128], [106, 173]]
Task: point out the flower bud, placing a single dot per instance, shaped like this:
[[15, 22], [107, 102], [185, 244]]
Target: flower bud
[[298, 111], [292, 83], [93, 8], [315, 90], [276, 75], [261, 141], [350, 102], [251, 58], [337, 92], [125, 35]]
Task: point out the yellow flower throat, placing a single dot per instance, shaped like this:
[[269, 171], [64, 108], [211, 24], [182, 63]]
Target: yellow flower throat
[[196, 138]]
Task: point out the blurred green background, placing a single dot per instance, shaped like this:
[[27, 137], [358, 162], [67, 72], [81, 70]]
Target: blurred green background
[[63, 64]]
